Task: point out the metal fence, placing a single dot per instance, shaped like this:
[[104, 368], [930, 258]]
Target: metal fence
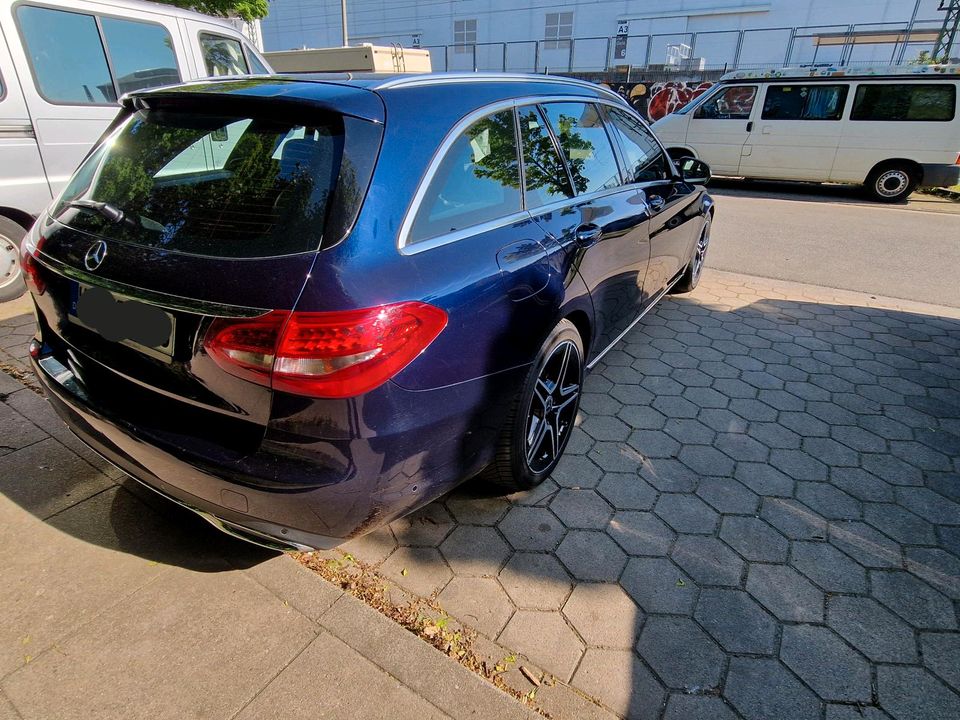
[[717, 49]]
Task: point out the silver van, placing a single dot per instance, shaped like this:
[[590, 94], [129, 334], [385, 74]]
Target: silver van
[[63, 67]]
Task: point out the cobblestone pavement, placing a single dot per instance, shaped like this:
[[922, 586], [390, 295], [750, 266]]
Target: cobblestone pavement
[[758, 517]]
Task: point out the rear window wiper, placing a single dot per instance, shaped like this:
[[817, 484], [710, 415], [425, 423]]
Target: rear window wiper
[[115, 214]]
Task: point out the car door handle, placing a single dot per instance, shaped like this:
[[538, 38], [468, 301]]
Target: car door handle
[[588, 235], [750, 126], [656, 203]]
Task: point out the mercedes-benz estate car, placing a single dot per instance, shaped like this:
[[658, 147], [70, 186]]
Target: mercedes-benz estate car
[[305, 306]]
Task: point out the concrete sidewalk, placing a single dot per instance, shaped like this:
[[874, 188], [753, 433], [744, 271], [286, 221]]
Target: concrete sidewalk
[[117, 605]]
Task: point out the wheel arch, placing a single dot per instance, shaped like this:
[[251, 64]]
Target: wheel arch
[[20, 217], [915, 167]]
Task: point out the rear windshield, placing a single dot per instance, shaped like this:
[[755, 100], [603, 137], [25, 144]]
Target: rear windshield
[[219, 185]]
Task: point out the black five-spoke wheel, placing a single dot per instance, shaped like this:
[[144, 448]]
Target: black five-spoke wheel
[[553, 407]]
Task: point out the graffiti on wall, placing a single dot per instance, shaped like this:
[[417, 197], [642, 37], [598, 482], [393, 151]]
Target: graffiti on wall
[[657, 100]]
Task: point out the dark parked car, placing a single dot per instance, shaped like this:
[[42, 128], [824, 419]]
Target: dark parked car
[[305, 306]]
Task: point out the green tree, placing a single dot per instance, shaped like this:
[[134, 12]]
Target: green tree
[[246, 9]]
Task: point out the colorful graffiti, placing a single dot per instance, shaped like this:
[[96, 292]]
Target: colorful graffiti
[[657, 100]]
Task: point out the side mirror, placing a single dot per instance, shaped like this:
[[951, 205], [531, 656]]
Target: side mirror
[[693, 171]]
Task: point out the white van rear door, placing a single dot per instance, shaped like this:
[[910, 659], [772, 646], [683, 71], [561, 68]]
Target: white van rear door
[[720, 127], [23, 183], [797, 132], [75, 63]]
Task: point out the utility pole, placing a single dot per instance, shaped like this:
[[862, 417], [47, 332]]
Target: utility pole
[[943, 48], [343, 21]]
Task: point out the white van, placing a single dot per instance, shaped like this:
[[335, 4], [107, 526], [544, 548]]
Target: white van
[[63, 65], [891, 129]]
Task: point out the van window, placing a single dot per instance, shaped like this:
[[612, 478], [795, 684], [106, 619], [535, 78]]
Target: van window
[[586, 145], [222, 185], [256, 67], [545, 177], [141, 53], [478, 180], [905, 102], [804, 102], [645, 158], [733, 103], [66, 55], [222, 55]]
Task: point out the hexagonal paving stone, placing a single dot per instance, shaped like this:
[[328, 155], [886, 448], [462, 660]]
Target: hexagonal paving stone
[[420, 570], [741, 447], [546, 639], [476, 510], [591, 556], [576, 471], [531, 528], [737, 621], [929, 505], [831, 452], [599, 403], [941, 654], [938, 567], [473, 550], [697, 707], [372, 548], [707, 560], [855, 712], [764, 479], [654, 443], [826, 663], [722, 420], [829, 501], [620, 681], [604, 615], [861, 484], [754, 539], [669, 476], [728, 496], [706, 460], [913, 600], [680, 653], [640, 533], [686, 513], [428, 526], [763, 689], [617, 457], [659, 586], [603, 427], [910, 693], [796, 521], [893, 470], [626, 491], [798, 465], [828, 567], [689, 431], [785, 593], [774, 435], [479, 603], [867, 546], [874, 631], [642, 417], [535, 581], [899, 523], [581, 509]]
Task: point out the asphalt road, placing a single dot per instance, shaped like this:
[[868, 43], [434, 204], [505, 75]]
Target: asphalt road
[[832, 236]]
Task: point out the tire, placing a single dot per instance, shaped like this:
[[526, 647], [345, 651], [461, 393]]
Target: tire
[[892, 183], [691, 275], [11, 278], [528, 449]]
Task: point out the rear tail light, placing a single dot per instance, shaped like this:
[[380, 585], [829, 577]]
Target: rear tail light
[[958, 159], [32, 272], [325, 354]]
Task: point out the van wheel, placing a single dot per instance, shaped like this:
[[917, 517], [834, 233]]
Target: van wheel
[[691, 276], [11, 278], [542, 417], [891, 183]]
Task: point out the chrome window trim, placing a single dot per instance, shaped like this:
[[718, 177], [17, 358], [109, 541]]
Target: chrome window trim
[[406, 247], [479, 77]]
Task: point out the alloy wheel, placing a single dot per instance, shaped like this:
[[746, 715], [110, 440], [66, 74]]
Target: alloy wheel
[[700, 254], [553, 406]]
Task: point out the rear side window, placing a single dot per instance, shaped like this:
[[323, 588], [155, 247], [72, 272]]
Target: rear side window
[[645, 158], [141, 53], [804, 102], [257, 67], [220, 185], [545, 177], [585, 143], [477, 181], [732, 103], [222, 55], [67, 56], [905, 102]]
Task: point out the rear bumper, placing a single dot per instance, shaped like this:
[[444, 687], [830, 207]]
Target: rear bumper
[[935, 175], [282, 517]]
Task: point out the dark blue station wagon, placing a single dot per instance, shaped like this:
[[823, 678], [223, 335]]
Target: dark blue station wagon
[[305, 306]]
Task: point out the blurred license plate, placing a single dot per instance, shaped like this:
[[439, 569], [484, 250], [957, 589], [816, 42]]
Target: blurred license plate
[[144, 327]]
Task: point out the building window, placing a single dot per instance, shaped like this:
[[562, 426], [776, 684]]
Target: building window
[[558, 31], [464, 35]]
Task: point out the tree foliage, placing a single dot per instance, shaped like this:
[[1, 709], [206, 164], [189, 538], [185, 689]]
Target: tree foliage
[[246, 9]]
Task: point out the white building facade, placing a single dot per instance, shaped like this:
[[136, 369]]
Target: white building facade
[[592, 36]]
